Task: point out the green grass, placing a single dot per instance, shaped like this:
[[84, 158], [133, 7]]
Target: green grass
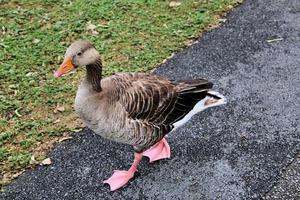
[[132, 35]]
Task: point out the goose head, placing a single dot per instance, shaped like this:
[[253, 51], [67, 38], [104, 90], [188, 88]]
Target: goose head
[[79, 53]]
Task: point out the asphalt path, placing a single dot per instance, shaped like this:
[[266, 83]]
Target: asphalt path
[[245, 150]]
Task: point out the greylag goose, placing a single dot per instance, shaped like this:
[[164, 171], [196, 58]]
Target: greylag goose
[[134, 108]]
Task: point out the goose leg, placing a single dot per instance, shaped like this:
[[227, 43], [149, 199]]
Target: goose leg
[[120, 178], [159, 151]]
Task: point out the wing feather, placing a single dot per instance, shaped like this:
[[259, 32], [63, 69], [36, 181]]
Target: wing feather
[[157, 100]]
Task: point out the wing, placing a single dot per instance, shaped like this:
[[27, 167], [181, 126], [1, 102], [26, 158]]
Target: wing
[[157, 100]]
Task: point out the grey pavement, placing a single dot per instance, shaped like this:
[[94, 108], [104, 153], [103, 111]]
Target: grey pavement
[[245, 150], [288, 187]]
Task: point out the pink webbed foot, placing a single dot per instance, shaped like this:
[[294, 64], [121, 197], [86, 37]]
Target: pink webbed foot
[[159, 151], [119, 179]]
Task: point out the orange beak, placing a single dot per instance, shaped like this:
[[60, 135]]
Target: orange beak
[[64, 68]]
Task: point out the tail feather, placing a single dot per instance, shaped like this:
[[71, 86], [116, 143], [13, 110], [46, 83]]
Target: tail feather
[[216, 95], [210, 99], [193, 97]]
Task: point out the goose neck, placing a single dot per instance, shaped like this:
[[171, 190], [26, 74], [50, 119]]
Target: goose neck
[[94, 75]]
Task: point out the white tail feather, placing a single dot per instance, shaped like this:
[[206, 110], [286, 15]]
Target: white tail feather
[[200, 106]]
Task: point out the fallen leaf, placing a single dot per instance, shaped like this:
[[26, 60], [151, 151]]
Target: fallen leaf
[[90, 26], [56, 121], [103, 23], [77, 130], [35, 41], [47, 161], [165, 60], [95, 32], [59, 108], [17, 174], [174, 4], [222, 20], [31, 74], [191, 42], [274, 40], [64, 138], [17, 113], [32, 159]]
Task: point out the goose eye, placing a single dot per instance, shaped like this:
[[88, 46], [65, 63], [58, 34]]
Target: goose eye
[[79, 54]]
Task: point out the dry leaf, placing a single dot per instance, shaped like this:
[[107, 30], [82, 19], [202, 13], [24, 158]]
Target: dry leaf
[[103, 23], [35, 41], [77, 130], [190, 42], [32, 159], [59, 108], [56, 121], [165, 60], [31, 74], [17, 174], [47, 161], [174, 4], [274, 40], [90, 26], [95, 33], [17, 113], [64, 138]]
